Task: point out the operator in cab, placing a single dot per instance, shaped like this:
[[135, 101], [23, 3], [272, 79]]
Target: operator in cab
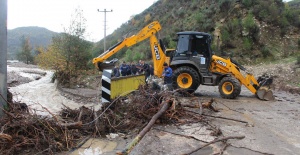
[[167, 74]]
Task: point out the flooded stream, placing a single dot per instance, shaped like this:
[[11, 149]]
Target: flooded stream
[[42, 93]]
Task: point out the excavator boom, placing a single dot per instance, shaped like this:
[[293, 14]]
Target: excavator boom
[[148, 31], [123, 85]]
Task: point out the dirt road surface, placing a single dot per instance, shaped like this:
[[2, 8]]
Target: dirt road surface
[[273, 127]]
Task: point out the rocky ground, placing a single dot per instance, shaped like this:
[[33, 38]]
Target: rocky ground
[[286, 75]]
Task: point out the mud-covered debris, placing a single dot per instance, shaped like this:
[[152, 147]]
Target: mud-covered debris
[[24, 131]]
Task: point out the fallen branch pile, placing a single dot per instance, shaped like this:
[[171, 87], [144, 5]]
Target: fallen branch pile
[[23, 132]]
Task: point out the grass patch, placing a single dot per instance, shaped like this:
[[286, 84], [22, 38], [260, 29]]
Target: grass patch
[[290, 59]]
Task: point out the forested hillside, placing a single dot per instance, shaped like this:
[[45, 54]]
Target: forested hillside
[[37, 36], [248, 29]]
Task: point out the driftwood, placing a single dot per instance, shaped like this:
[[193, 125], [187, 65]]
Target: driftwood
[[232, 119], [207, 105], [214, 141], [5, 136], [75, 125], [136, 140]]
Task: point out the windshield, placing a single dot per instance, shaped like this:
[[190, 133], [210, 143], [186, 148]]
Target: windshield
[[182, 45]]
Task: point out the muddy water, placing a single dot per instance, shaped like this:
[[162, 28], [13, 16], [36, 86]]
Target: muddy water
[[41, 94], [95, 146]]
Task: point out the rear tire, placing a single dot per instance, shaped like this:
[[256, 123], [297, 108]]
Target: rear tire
[[186, 78], [229, 88]]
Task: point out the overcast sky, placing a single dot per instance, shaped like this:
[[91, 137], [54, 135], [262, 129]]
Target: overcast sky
[[55, 15]]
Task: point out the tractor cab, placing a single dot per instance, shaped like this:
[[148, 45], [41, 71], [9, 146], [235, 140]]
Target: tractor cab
[[193, 48]]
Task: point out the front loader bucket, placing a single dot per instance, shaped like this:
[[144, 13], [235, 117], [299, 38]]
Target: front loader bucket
[[107, 65], [264, 92]]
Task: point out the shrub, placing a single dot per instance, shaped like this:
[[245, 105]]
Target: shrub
[[298, 60], [208, 25], [137, 56], [265, 51], [299, 43], [225, 36], [129, 55], [247, 44], [251, 27], [199, 17], [225, 5], [194, 4], [209, 12], [234, 26], [292, 16], [249, 22], [181, 12], [248, 3]]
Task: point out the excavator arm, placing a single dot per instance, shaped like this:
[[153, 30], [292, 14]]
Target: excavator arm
[[148, 31]]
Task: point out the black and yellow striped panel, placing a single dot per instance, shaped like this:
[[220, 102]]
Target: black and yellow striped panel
[[121, 86], [106, 83]]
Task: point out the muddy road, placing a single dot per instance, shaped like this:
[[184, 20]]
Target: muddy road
[[273, 127]]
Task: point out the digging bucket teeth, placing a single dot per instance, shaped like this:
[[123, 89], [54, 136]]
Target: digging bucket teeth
[[264, 92], [107, 65]]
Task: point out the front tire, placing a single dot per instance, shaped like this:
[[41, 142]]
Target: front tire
[[229, 87], [186, 78]]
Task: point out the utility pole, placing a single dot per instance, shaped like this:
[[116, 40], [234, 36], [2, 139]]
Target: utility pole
[[104, 26], [3, 57]]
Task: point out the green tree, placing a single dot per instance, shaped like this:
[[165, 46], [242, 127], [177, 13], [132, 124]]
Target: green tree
[[248, 3], [25, 54], [75, 48], [247, 44], [129, 55], [69, 52], [251, 27], [225, 36]]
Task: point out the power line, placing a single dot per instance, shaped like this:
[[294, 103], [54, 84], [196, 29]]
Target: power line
[[105, 27]]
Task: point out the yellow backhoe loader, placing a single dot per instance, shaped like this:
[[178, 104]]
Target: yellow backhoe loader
[[193, 63]]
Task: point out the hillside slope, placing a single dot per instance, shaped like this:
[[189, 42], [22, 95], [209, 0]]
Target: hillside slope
[[248, 30], [38, 36]]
